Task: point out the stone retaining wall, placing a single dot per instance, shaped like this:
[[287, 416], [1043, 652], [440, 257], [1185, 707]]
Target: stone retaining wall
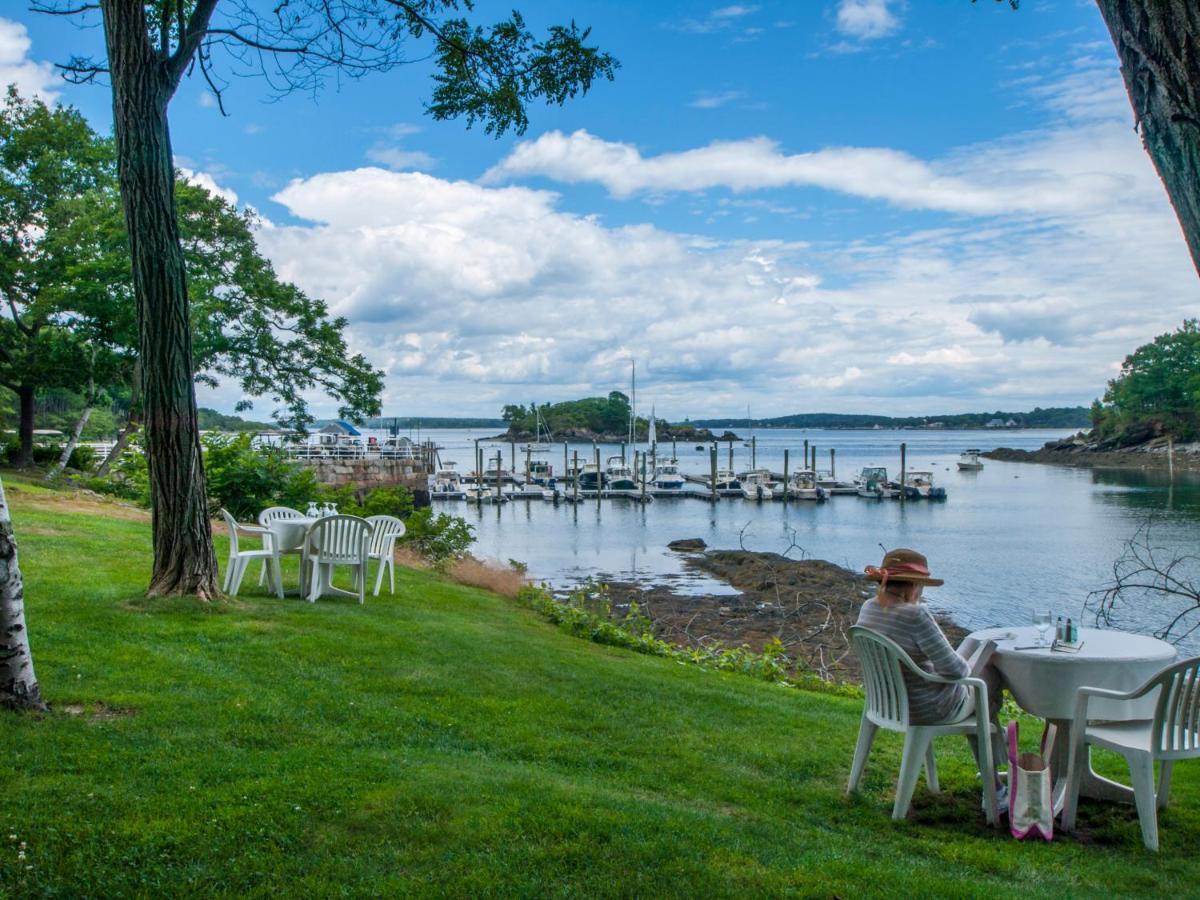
[[370, 473]]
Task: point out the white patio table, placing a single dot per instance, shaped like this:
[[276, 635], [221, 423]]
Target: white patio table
[[288, 536], [289, 533], [1044, 681]]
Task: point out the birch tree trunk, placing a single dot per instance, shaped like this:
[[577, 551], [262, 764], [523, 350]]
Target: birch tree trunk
[[142, 85], [18, 685], [72, 442], [1158, 42]]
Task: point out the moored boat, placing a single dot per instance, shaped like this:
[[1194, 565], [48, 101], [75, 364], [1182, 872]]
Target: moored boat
[[667, 477], [802, 485], [919, 486], [872, 483], [832, 486], [620, 475], [969, 461], [757, 484]]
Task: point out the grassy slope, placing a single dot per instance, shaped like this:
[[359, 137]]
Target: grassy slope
[[443, 741]]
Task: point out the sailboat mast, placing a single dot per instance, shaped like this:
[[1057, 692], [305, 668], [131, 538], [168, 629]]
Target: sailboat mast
[[632, 402]]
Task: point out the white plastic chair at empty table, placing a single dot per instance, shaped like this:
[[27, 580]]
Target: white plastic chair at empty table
[[330, 542], [385, 531], [235, 569], [272, 514], [1173, 733], [883, 662]]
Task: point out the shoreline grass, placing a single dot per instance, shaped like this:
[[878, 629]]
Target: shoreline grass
[[446, 741]]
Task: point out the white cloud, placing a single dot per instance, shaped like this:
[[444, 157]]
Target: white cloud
[[207, 100], [30, 77], [713, 101], [959, 185], [206, 181], [399, 158], [867, 19], [471, 295]]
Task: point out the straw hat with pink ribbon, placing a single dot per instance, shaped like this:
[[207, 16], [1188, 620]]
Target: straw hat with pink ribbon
[[903, 565]]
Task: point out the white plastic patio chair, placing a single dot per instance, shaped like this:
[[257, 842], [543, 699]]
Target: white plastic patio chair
[[330, 542], [386, 529], [239, 558], [274, 514], [883, 661], [1173, 733]]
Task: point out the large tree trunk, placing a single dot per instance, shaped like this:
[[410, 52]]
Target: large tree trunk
[[184, 561], [18, 684], [25, 396], [1158, 42]]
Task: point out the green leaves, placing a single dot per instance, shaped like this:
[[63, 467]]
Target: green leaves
[[1158, 390], [488, 75]]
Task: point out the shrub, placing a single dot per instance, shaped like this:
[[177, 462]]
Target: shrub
[[439, 538], [82, 458], [382, 501], [246, 479]]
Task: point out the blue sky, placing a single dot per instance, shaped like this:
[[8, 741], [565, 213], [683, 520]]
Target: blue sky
[[829, 205]]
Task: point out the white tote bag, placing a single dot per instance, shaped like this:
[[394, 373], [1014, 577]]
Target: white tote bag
[[1030, 787]]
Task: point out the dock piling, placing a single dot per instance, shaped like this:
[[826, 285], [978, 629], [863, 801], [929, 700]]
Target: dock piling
[[575, 479], [832, 464], [599, 479], [753, 451], [786, 456], [903, 468], [713, 471]]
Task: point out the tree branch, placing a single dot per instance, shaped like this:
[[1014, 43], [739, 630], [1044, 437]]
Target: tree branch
[[189, 40]]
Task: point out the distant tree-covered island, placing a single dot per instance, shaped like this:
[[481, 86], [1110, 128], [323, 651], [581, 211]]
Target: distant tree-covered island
[[595, 419], [1053, 417]]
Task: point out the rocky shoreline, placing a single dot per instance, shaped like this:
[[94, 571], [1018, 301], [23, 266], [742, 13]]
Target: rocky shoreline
[[807, 604], [1082, 450]]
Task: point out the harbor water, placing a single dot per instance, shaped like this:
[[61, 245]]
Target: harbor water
[[1008, 539]]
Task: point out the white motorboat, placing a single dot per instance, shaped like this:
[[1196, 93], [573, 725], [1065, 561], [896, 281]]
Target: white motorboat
[[592, 478], [872, 482], [919, 486], [727, 482], [620, 475], [832, 486], [485, 495], [667, 477], [969, 461], [539, 472], [445, 484], [802, 485], [758, 484]]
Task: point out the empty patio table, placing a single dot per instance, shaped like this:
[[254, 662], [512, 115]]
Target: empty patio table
[[1044, 681], [288, 536]]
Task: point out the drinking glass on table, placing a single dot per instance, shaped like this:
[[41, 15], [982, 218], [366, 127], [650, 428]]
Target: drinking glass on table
[[1042, 621]]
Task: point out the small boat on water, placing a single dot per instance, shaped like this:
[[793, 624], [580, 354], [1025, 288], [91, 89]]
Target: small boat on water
[[727, 482], [485, 495], [802, 485], [872, 483], [667, 477], [540, 472], [919, 486], [758, 484], [620, 475], [591, 478], [445, 484], [969, 461], [542, 438], [832, 486]]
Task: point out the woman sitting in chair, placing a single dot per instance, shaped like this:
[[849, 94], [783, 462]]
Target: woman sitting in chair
[[896, 612]]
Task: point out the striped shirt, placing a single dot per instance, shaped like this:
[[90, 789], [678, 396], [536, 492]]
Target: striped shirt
[[912, 626]]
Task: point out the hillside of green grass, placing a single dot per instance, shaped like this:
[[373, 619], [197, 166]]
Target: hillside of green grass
[[445, 742]]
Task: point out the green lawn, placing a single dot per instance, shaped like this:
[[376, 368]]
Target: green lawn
[[443, 741]]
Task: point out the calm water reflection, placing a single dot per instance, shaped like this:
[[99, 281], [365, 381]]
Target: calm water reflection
[[1011, 537]]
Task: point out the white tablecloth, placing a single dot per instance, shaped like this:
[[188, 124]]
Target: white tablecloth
[[289, 533], [1044, 682]]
